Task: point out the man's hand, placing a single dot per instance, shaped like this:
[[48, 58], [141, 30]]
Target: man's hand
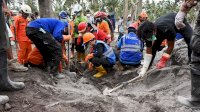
[[88, 57], [66, 37]]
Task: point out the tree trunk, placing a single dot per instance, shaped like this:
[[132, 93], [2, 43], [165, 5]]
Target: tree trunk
[[138, 8], [45, 8], [125, 14]]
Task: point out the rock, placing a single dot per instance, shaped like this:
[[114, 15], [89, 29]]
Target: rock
[[7, 106], [179, 55]]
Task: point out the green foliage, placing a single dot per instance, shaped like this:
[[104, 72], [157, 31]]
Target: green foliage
[[155, 10]]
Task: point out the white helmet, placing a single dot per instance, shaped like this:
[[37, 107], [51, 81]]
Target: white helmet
[[26, 9], [77, 8], [129, 16]]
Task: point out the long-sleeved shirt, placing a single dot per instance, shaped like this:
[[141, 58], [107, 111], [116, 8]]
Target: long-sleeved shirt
[[51, 25]]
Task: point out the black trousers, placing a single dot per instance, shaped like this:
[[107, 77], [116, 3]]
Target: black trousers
[[195, 61], [96, 61], [79, 48], [49, 47]]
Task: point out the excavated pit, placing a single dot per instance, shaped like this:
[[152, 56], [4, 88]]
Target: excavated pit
[[80, 92]]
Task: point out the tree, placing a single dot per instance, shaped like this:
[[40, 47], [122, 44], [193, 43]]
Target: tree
[[45, 8]]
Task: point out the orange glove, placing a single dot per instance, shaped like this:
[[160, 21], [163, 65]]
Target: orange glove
[[88, 57], [66, 37], [162, 63]]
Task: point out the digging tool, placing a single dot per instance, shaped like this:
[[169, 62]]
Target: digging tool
[[109, 91], [68, 67]]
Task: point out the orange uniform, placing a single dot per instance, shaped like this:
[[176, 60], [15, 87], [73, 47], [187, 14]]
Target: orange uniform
[[25, 48], [35, 57], [105, 27]]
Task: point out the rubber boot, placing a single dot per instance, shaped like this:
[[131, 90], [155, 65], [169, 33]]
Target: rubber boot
[[101, 72], [194, 100], [5, 82], [3, 99]]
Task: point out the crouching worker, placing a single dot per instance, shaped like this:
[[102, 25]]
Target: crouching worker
[[47, 35], [130, 47], [102, 56]]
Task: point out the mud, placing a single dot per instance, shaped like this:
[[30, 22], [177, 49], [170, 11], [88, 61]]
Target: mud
[[157, 91]]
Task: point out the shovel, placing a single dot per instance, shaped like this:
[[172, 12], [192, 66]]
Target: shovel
[[109, 91]]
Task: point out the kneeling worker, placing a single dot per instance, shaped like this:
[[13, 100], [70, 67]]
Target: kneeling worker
[[102, 56], [130, 47], [47, 35]]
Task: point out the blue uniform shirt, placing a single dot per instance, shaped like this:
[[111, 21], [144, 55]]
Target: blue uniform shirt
[[51, 25]]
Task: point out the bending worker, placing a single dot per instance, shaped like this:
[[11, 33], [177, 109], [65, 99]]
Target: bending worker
[[47, 35], [154, 33], [102, 56]]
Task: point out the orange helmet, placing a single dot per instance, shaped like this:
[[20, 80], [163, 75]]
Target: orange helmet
[[143, 14], [82, 27], [87, 37]]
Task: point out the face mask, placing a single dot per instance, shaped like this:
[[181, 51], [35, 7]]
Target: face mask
[[152, 38], [98, 19], [63, 20]]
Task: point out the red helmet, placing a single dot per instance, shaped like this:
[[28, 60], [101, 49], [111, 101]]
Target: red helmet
[[100, 14], [97, 14], [103, 14], [82, 27]]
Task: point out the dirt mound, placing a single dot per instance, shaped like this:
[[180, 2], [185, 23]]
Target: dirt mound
[[80, 92]]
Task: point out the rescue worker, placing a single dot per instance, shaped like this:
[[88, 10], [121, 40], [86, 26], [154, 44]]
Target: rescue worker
[[47, 35], [84, 27], [154, 33], [129, 21], [20, 23], [78, 10], [5, 82], [130, 47], [194, 99], [63, 16], [102, 56], [102, 24], [90, 18], [142, 17]]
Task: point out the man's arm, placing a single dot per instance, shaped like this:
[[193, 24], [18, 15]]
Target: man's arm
[[184, 9]]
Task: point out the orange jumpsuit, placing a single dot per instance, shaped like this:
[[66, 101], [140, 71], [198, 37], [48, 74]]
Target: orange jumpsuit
[[105, 27], [35, 57], [25, 48]]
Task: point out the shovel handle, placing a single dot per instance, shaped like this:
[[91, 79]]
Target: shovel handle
[[134, 79], [123, 84]]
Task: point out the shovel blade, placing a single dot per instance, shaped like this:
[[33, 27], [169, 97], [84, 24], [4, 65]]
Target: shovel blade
[[107, 91]]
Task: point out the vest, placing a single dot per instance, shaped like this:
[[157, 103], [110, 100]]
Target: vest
[[131, 49]]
